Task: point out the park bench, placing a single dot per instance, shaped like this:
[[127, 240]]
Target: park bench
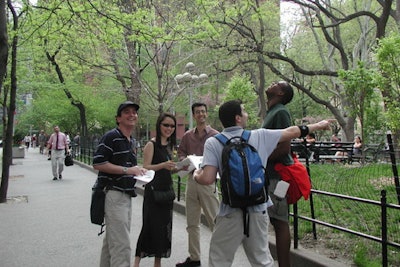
[[327, 151], [324, 151]]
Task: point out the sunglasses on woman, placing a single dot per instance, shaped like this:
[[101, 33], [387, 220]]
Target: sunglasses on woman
[[166, 125]]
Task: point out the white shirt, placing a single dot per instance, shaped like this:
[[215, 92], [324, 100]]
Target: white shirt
[[264, 140]]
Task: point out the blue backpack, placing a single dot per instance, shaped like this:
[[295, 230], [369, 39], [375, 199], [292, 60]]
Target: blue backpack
[[243, 181]]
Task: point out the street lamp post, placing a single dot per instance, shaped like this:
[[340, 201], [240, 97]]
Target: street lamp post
[[192, 80]]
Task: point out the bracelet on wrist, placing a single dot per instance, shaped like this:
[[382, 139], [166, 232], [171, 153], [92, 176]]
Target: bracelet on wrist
[[303, 130]]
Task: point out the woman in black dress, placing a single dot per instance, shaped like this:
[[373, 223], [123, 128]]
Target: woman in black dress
[[156, 234]]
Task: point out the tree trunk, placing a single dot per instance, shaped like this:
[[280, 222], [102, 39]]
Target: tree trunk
[[9, 129], [74, 102], [3, 43], [3, 70]]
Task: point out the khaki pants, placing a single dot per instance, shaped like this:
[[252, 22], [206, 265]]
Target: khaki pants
[[228, 236], [198, 198], [57, 161], [116, 250]]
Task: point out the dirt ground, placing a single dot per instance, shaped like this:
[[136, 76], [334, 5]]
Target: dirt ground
[[325, 246]]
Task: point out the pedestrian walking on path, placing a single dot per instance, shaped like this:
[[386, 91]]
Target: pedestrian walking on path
[[59, 146]]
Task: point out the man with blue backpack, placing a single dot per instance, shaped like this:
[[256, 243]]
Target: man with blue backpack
[[242, 217]]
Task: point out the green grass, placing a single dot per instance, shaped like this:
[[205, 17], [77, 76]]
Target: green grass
[[362, 182]]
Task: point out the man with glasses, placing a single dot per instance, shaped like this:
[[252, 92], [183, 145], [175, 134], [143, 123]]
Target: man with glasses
[[198, 197]]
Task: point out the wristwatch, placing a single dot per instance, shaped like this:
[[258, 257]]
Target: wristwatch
[[125, 170], [303, 130]]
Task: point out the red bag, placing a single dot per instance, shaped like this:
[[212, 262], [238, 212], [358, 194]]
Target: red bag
[[297, 177]]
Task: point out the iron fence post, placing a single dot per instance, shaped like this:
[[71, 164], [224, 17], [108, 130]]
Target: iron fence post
[[394, 167], [384, 229]]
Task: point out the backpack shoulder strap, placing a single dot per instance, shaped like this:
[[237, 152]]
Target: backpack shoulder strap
[[246, 135], [222, 138]]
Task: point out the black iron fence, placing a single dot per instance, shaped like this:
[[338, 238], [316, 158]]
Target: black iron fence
[[383, 237], [370, 209], [84, 151]]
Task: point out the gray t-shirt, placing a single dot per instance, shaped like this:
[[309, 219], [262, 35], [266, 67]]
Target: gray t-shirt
[[264, 140]]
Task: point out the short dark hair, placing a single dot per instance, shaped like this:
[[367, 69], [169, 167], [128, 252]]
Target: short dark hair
[[198, 104], [228, 111], [287, 91]]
